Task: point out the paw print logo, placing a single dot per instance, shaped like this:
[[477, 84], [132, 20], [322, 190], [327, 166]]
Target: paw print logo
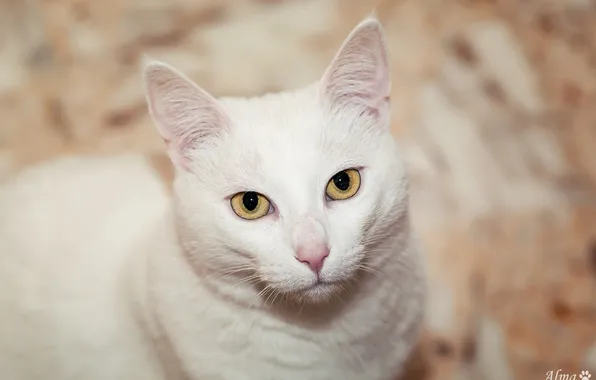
[[585, 375]]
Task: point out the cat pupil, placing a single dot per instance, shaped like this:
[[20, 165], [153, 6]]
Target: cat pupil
[[250, 200], [342, 181]]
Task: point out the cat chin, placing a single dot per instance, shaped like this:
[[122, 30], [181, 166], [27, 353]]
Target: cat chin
[[317, 293], [322, 292]]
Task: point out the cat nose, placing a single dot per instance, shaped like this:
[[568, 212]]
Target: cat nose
[[313, 256]]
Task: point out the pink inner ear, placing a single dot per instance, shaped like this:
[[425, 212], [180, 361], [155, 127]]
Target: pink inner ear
[[186, 116], [359, 74]]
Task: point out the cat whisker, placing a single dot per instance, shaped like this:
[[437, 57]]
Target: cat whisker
[[239, 275], [263, 292], [354, 280], [273, 293], [239, 268], [338, 291], [376, 238], [301, 308], [267, 290], [369, 269], [275, 297], [253, 280]]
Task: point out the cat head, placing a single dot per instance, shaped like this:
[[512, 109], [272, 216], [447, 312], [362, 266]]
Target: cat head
[[294, 190]]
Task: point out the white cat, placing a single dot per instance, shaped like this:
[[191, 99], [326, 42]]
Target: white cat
[[286, 252]]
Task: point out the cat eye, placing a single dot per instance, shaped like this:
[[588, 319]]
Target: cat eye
[[250, 205], [343, 185]]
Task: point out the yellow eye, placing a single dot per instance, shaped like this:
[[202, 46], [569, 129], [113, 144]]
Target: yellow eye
[[250, 205], [343, 185]]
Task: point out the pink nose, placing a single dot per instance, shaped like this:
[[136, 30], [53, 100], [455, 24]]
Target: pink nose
[[313, 256]]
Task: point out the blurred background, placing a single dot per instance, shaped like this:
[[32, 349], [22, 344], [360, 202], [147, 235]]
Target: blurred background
[[494, 107]]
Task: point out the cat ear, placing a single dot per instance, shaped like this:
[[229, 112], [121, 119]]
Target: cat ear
[[359, 75], [185, 115]]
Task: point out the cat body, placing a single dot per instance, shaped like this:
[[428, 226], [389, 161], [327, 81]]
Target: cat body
[[284, 252], [67, 228]]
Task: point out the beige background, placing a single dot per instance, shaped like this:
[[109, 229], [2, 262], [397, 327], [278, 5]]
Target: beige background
[[494, 106]]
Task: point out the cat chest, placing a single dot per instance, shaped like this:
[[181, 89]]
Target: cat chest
[[267, 351]]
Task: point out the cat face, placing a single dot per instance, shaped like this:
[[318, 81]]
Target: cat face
[[293, 191]]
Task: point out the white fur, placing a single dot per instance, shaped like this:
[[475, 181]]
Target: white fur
[[102, 277]]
